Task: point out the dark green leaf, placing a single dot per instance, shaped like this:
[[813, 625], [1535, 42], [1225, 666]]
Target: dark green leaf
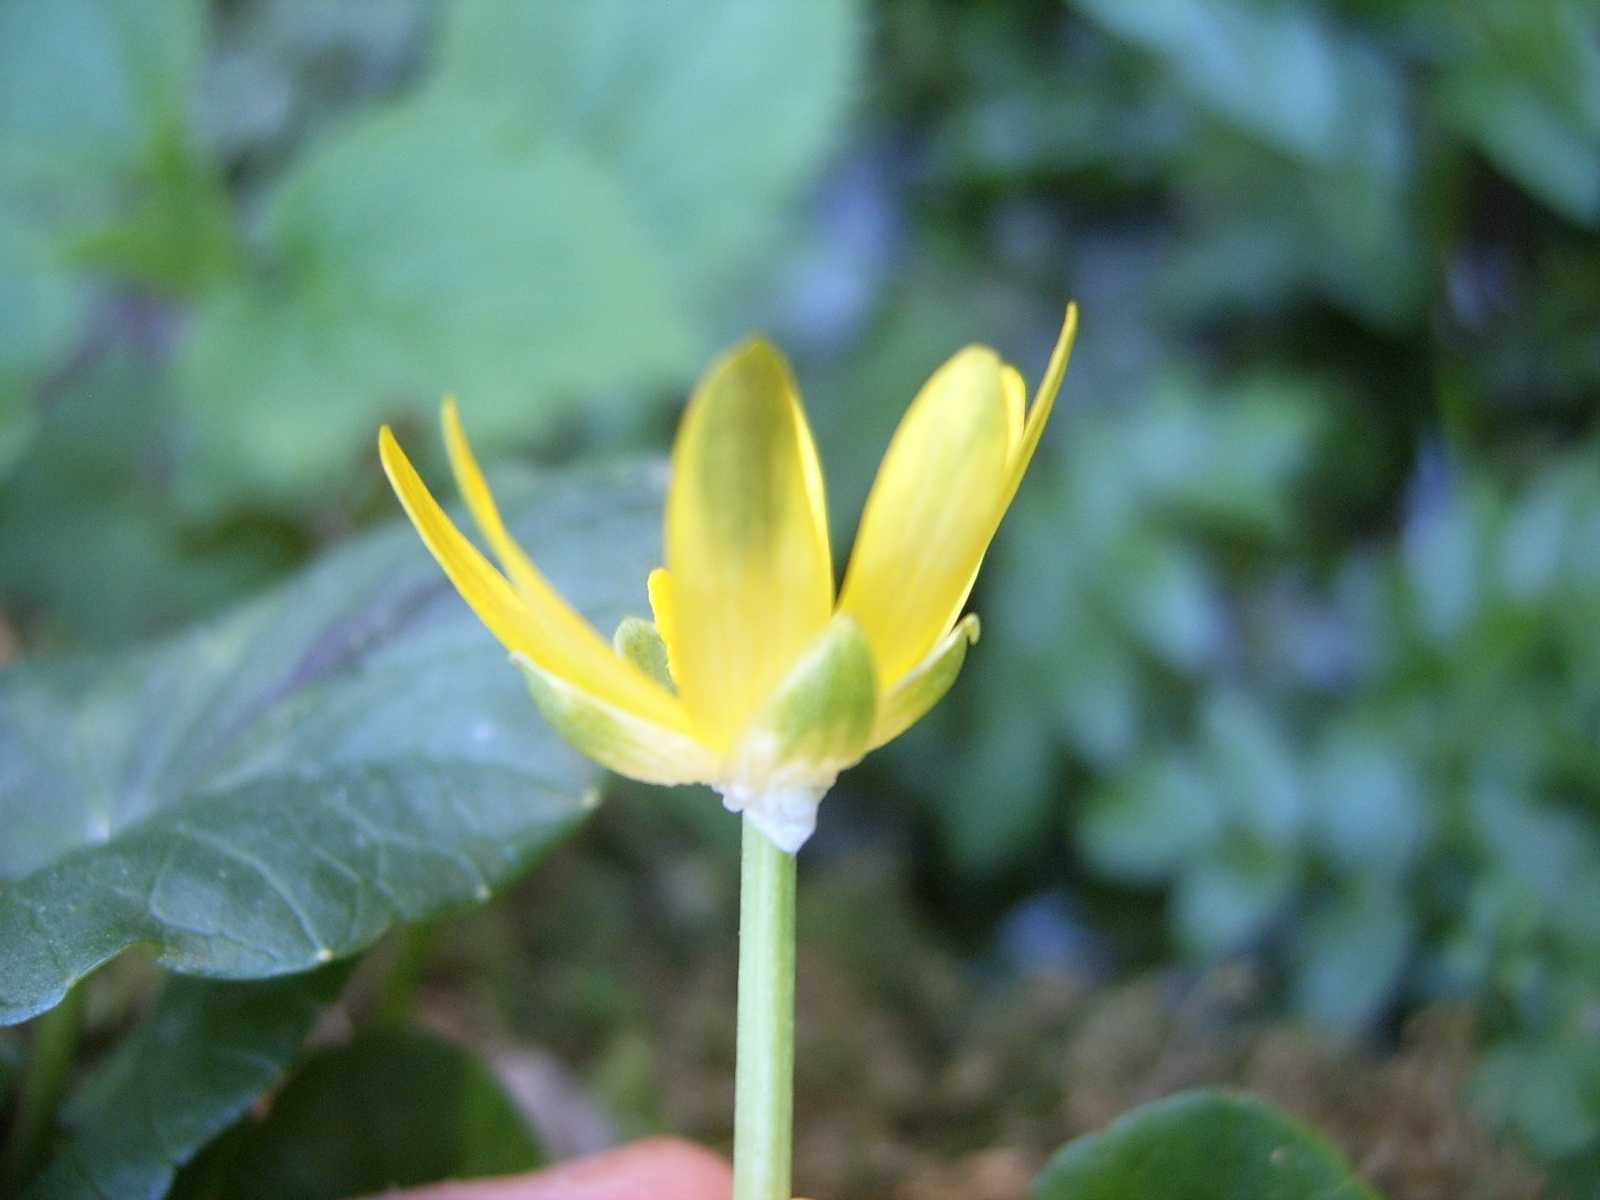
[[389, 1109], [276, 789], [196, 1064], [1201, 1145]]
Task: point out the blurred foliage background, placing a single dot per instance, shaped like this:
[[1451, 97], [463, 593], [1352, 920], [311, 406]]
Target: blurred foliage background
[[1292, 642]]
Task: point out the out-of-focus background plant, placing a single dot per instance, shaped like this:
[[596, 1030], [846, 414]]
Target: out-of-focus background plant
[[1291, 655]]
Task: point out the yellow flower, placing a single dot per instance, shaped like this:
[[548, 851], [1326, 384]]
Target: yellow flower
[[754, 678]]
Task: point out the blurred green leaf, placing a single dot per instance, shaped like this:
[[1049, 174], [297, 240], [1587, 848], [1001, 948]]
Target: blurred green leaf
[[1261, 233], [104, 173], [680, 108], [177, 237], [1367, 807], [993, 803], [1101, 693], [1159, 816], [92, 501], [1351, 951], [196, 1064], [40, 308], [1282, 71], [1549, 1091], [389, 1109], [1524, 85], [94, 97], [1534, 142], [276, 789], [1223, 901], [1257, 776], [559, 216], [1171, 603], [1201, 1145], [130, 67], [1229, 466]]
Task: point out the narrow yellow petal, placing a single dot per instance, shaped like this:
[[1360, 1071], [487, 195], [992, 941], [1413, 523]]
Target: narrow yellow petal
[[498, 606], [474, 490], [558, 645], [938, 500], [746, 541], [932, 511], [614, 737], [665, 610], [925, 684], [1016, 393], [590, 661], [1043, 404]]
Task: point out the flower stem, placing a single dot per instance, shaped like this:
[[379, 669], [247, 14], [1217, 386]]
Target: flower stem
[[763, 1124]]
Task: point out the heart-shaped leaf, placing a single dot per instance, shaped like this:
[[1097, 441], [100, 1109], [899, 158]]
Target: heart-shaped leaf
[[389, 1109], [276, 789], [198, 1061], [1201, 1145]]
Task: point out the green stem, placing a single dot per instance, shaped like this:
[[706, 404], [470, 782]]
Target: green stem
[[55, 1041], [414, 944], [763, 1123]]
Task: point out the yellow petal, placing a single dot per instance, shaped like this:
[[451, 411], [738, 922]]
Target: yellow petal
[[931, 511], [746, 540], [1043, 404], [565, 645], [620, 740], [925, 684], [474, 490], [938, 501], [1016, 393], [665, 610]]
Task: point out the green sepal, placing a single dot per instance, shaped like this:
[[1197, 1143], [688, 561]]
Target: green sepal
[[820, 718], [925, 685], [613, 737], [639, 641]]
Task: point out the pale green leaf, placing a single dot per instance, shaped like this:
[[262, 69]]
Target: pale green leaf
[[554, 220]]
